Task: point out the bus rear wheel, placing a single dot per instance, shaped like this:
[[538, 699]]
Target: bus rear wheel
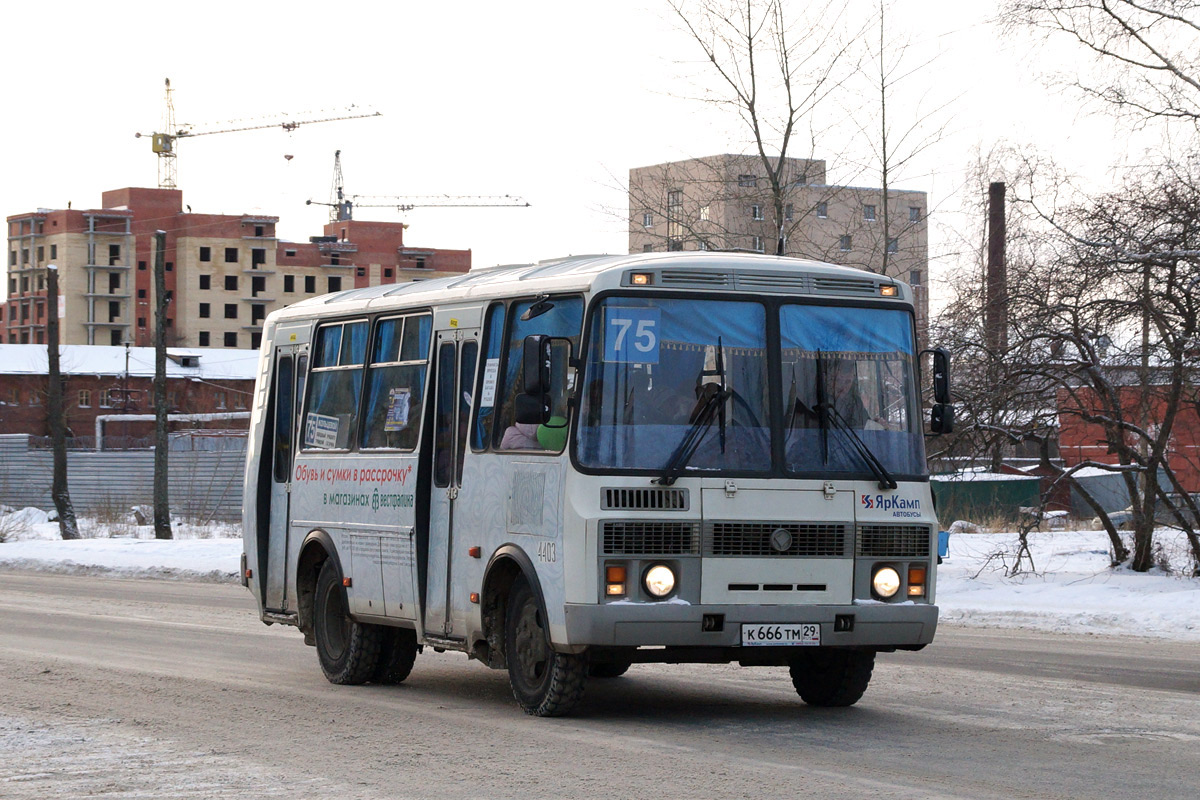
[[832, 678], [348, 650], [396, 656], [545, 683]]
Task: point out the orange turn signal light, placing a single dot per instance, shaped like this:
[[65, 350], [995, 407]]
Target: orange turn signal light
[[475, 598], [916, 581], [614, 580], [474, 552], [249, 573], [347, 582]]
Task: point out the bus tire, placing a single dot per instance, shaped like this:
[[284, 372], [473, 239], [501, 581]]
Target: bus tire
[[612, 669], [832, 678], [396, 656], [544, 682], [348, 650]]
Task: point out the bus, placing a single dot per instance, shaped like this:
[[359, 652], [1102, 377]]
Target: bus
[[566, 468]]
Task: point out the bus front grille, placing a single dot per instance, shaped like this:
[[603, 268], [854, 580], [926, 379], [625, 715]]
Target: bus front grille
[[893, 541], [649, 537], [784, 539], [643, 499]]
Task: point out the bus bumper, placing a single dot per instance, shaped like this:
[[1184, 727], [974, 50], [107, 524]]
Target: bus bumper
[[678, 625]]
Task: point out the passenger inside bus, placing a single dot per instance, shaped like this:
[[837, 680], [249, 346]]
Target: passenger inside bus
[[529, 436], [520, 436]]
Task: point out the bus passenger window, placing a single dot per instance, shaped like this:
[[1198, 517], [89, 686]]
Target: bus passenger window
[[285, 383], [335, 385], [564, 319], [493, 345], [443, 431], [396, 383], [466, 373]]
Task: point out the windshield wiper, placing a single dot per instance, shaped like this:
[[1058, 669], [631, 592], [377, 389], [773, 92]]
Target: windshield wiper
[[886, 481], [711, 403], [827, 414]]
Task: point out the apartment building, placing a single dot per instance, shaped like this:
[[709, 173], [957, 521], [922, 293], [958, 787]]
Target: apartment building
[[223, 273], [724, 202]]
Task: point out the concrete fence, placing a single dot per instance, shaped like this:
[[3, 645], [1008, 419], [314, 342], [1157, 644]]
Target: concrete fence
[[203, 485]]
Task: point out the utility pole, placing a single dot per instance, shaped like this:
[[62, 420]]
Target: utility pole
[[162, 509], [68, 527]]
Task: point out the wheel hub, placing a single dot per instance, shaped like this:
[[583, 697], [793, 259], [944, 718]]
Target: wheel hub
[[531, 647]]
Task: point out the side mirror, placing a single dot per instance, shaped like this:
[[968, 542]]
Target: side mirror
[[532, 409], [535, 362], [941, 418], [941, 376], [533, 404]]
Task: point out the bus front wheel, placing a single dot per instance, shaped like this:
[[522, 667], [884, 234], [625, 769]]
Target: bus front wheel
[[545, 683], [348, 650], [832, 678]]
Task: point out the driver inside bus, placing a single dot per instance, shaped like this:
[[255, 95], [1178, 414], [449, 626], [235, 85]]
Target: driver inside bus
[[847, 399], [842, 393]]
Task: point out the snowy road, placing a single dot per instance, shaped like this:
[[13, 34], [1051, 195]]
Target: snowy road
[[137, 689]]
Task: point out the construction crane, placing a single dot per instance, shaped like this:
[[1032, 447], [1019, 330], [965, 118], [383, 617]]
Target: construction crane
[[341, 206], [163, 144]]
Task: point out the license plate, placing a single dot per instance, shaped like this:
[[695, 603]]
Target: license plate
[[772, 635]]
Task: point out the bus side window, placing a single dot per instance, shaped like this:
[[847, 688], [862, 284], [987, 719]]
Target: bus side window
[[470, 352], [493, 345], [285, 384], [335, 386], [564, 319], [443, 432], [301, 377], [396, 383]]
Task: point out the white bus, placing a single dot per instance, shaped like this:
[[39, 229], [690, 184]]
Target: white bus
[[566, 468]]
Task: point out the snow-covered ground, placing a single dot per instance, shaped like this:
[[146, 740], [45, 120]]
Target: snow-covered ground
[[1068, 589]]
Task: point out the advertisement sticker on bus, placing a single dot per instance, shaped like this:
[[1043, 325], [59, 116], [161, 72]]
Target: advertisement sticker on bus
[[399, 402]]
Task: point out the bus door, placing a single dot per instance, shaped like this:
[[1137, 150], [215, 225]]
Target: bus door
[[291, 362], [456, 353]]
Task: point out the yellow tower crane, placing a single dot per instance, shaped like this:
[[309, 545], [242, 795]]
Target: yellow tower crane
[[163, 144]]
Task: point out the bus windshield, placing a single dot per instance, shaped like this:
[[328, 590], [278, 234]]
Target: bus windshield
[[847, 386], [678, 385]]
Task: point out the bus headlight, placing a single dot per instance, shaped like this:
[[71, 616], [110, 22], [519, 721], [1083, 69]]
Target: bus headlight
[[886, 582], [659, 580]]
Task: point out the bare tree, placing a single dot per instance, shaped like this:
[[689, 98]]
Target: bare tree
[[68, 526], [1103, 327], [892, 142], [1146, 52], [773, 72], [162, 506]]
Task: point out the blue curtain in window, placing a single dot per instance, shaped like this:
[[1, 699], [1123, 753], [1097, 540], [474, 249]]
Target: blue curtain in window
[[857, 330]]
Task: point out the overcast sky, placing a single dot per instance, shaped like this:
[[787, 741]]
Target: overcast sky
[[551, 101]]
